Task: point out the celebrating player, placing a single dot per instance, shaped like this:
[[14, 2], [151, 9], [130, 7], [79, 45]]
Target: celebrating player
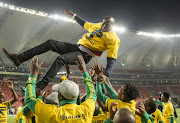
[[100, 37], [5, 105]]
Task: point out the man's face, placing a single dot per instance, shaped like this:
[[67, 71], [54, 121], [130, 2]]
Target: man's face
[[1, 97], [121, 93], [162, 97], [107, 24]]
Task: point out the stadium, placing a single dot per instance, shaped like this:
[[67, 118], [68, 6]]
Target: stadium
[[149, 61]]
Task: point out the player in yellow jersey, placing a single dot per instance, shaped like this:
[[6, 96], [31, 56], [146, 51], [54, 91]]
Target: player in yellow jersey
[[125, 94], [168, 110], [68, 91], [19, 116], [153, 111], [124, 115], [100, 37], [5, 105], [29, 116], [157, 116]]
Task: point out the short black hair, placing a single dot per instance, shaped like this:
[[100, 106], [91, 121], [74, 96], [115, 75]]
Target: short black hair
[[22, 100], [131, 92], [151, 104], [167, 95]]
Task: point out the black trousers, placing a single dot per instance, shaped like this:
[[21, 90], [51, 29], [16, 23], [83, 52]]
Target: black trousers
[[68, 55]]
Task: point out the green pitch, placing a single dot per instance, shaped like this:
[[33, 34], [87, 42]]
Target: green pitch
[[12, 118]]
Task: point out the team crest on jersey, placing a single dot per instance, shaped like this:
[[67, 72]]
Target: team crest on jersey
[[2, 109], [96, 33]]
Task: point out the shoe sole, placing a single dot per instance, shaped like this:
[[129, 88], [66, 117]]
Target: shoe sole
[[6, 53]]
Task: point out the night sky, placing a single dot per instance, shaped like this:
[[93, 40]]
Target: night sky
[[142, 15]]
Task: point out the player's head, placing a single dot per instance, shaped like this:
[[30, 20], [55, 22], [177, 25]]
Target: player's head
[[150, 105], [52, 99], [1, 96], [124, 115], [22, 101], [68, 90], [107, 23], [165, 97], [127, 93]]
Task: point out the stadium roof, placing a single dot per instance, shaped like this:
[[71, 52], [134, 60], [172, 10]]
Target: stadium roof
[[20, 31]]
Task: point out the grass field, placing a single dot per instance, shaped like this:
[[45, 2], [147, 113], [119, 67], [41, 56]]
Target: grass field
[[12, 118]]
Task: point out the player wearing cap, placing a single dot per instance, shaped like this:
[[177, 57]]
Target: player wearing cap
[[68, 91]]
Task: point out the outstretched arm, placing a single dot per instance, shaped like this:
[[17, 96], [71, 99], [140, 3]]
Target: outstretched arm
[[10, 86], [89, 86], [102, 97], [159, 102], [110, 89], [78, 19], [30, 92]]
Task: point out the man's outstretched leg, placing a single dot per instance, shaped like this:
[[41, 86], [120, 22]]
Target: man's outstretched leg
[[61, 60], [55, 46]]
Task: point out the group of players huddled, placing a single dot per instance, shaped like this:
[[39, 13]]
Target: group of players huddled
[[100, 104]]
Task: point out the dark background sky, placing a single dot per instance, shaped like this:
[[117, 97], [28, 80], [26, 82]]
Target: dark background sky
[[143, 15]]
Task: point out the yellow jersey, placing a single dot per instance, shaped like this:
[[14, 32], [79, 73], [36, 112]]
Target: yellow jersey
[[157, 116], [138, 119], [28, 118], [100, 118], [32, 116], [69, 113], [19, 115], [168, 112], [120, 104], [98, 41], [3, 111]]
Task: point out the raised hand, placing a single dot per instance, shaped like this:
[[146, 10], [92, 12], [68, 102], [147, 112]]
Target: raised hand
[[92, 74], [34, 66], [39, 74], [3, 83], [68, 12], [140, 109], [10, 84], [81, 64], [68, 70], [76, 81], [96, 68]]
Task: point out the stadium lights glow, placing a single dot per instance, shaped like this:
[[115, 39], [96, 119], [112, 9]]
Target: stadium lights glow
[[39, 13], [157, 35], [57, 17], [119, 29]]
